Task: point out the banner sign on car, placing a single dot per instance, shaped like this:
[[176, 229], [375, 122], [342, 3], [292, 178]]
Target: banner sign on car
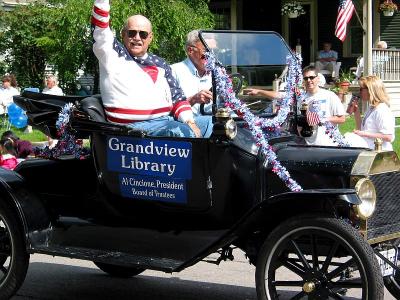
[[159, 168]]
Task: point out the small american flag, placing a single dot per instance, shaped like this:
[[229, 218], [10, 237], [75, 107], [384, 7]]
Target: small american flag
[[345, 12], [312, 118]]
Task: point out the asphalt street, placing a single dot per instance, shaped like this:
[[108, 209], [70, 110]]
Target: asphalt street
[[52, 278]]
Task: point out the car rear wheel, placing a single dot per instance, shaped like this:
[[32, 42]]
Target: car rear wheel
[[317, 258], [119, 271], [14, 259]]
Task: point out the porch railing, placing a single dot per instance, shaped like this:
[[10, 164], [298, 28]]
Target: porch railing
[[386, 64]]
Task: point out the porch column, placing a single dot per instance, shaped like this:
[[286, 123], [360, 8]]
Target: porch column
[[367, 40]]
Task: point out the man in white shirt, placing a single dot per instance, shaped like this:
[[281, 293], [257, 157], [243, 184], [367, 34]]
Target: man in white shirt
[[192, 76], [51, 86], [323, 102], [326, 59]]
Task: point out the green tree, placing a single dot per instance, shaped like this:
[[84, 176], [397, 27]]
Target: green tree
[[59, 34], [18, 43]]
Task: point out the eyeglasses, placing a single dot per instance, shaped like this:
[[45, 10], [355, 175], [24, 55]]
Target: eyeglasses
[[306, 78], [142, 34]]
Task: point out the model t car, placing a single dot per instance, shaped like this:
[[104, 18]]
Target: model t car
[[137, 202]]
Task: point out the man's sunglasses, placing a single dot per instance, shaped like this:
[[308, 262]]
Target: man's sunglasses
[[143, 34], [306, 78]]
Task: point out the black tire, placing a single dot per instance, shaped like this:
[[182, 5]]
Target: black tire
[[119, 271], [14, 259], [319, 252], [392, 283]]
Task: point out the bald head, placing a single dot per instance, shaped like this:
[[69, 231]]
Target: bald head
[[137, 20], [137, 35]]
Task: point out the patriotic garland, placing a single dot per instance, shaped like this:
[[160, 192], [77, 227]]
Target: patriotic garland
[[67, 143], [333, 132], [224, 90]]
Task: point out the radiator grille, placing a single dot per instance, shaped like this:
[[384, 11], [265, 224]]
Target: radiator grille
[[386, 218]]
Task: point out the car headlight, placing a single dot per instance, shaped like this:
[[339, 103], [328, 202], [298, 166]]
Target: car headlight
[[366, 192], [230, 129]]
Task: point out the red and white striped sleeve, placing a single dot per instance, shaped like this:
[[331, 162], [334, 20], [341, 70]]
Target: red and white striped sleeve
[[101, 13], [182, 111], [102, 34]]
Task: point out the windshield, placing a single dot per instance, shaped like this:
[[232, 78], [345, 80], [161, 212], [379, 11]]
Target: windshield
[[246, 48], [260, 57]]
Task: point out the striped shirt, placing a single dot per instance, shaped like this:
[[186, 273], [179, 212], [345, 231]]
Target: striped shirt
[[133, 88]]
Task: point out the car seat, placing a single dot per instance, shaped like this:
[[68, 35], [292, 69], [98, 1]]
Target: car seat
[[94, 108]]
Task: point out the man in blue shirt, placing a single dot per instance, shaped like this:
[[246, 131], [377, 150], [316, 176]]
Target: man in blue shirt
[[326, 59], [192, 76]]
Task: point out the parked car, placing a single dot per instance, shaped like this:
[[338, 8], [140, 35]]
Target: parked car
[[138, 202]]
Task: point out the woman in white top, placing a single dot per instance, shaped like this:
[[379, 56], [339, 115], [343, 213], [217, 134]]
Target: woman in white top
[[378, 121], [7, 92]]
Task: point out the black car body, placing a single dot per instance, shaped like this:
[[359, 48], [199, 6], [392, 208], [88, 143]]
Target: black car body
[[139, 202]]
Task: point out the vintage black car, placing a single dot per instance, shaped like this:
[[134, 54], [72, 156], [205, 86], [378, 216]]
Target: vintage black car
[[137, 202]]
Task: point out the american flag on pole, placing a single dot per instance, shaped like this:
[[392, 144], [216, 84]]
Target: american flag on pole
[[312, 118], [312, 113], [345, 12]]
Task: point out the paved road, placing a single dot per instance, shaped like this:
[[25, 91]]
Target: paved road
[[51, 278]]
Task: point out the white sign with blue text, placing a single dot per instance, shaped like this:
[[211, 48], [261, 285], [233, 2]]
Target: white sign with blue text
[[160, 167]]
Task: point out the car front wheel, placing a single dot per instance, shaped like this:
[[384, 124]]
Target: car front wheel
[[14, 259], [119, 271], [392, 283], [317, 258]]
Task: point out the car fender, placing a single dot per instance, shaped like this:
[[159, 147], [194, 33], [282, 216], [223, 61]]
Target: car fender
[[286, 205], [34, 218]]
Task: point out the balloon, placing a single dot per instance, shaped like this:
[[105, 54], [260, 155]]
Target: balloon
[[19, 122], [14, 110]]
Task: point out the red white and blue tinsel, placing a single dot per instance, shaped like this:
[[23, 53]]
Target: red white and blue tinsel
[[260, 128], [333, 132], [67, 143]]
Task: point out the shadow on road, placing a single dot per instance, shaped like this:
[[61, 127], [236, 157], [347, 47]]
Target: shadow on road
[[47, 281]]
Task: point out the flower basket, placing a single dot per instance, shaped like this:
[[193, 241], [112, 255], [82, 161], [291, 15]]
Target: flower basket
[[388, 13], [292, 9], [388, 8]]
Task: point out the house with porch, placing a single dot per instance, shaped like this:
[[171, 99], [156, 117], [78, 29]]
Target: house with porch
[[308, 31]]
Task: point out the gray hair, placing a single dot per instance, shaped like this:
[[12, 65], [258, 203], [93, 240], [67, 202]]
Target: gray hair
[[381, 45], [192, 38], [52, 78]]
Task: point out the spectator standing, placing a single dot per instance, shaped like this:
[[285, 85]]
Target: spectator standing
[[192, 76], [138, 88], [23, 148], [7, 91], [378, 121], [326, 103], [52, 87], [326, 58]]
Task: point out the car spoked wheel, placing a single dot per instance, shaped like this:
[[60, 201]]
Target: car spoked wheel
[[317, 258], [392, 283], [14, 259]]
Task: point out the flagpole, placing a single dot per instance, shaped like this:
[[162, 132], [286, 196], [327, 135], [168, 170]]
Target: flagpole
[[359, 20]]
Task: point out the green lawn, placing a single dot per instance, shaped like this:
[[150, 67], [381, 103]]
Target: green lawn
[[34, 136]]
